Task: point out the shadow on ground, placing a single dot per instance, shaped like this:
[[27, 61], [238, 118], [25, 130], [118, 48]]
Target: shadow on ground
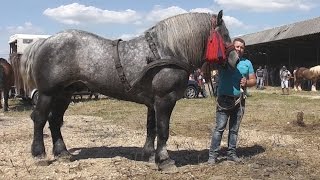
[[182, 157]]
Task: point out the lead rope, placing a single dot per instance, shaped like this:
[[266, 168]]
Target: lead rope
[[238, 101]]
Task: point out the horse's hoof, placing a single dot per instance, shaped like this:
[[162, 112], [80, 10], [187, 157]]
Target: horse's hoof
[[42, 162], [152, 159], [168, 166], [149, 157], [39, 155], [64, 157]]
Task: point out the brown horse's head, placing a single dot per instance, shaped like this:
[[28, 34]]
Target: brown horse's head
[[7, 75]]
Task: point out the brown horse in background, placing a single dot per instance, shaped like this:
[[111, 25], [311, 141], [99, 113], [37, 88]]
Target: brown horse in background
[[6, 82], [303, 73]]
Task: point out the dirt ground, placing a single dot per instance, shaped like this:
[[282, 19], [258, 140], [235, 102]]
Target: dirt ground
[[104, 150]]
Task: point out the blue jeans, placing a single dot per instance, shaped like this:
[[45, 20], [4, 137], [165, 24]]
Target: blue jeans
[[234, 115]]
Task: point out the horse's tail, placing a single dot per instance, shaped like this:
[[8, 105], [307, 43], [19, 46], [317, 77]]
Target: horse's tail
[[26, 63]]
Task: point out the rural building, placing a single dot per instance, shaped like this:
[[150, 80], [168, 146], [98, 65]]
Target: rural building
[[296, 44], [292, 45]]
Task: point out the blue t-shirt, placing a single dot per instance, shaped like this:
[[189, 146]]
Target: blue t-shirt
[[229, 79]]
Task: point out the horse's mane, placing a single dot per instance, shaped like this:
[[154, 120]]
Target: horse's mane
[[26, 63], [185, 36], [315, 70]]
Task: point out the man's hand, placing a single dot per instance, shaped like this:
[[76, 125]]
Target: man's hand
[[243, 82]]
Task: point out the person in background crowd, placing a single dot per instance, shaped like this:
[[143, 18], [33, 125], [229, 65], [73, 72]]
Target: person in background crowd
[[201, 83], [231, 103], [215, 81], [285, 76], [265, 76], [260, 77]]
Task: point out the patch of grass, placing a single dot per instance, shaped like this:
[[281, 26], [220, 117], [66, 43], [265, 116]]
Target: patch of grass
[[272, 146], [266, 109]]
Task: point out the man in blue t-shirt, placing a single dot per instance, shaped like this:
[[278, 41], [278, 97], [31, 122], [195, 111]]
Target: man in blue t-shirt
[[231, 102]]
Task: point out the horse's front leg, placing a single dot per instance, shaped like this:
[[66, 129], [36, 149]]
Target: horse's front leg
[[313, 86], [148, 148], [163, 109], [39, 117]]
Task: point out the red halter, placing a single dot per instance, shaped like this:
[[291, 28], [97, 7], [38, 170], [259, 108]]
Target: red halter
[[216, 51]]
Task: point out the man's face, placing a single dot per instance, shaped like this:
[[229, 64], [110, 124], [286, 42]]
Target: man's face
[[239, 46]]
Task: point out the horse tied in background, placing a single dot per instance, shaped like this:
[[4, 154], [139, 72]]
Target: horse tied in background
[[152, 69], [303, 73], [6, 82]]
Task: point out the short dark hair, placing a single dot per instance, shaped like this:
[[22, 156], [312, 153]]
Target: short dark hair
[[240, 40]]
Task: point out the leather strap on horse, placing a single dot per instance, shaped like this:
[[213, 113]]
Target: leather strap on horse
[[162, 63], [119, 67], [152, 45]]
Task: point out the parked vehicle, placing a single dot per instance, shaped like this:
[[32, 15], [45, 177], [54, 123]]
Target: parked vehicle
[[192, 90]]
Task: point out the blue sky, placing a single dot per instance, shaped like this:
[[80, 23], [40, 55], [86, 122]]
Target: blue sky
[[128, 18]]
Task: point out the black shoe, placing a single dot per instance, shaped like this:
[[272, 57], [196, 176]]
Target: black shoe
[[234, 158]]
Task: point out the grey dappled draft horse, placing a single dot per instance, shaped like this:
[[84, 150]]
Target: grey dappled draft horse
[[152, 69]]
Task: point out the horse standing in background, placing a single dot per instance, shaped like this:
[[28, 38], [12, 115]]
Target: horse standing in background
[[303, 73], [152, 69], [6, 82]]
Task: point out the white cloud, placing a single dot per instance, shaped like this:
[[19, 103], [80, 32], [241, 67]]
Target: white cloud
[[27, 27], [128, 36], [80, 14], [233, 22], [264, 5], [202, 10], [158, 13]]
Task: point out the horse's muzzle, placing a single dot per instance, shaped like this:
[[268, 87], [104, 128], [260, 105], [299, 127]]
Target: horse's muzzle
[[233, 58]]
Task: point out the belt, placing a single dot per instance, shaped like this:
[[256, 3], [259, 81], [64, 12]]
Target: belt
[[230, 97]]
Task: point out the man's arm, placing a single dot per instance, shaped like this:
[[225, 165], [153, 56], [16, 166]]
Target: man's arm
[[251, 81]]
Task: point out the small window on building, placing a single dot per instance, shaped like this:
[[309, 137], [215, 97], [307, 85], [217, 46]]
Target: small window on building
[[27, 41]]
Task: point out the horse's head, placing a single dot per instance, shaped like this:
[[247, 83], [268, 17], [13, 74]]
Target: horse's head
[[185, 36], [232, 56]]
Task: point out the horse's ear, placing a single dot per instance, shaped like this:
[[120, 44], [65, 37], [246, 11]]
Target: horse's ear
[[219, 18]]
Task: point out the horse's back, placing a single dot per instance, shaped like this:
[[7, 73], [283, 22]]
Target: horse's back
[[315, 70], [72, 56]]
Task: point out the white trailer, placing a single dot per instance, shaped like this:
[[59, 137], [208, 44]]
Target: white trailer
[[18, 43]]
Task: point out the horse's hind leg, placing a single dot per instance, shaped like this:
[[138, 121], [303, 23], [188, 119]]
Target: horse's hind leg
[[39, 117], [58, 108], [148, 148], [163, 108], [1, 99], [5, 99]]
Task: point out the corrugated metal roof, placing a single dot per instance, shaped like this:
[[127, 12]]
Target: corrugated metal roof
[[308, 27]]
